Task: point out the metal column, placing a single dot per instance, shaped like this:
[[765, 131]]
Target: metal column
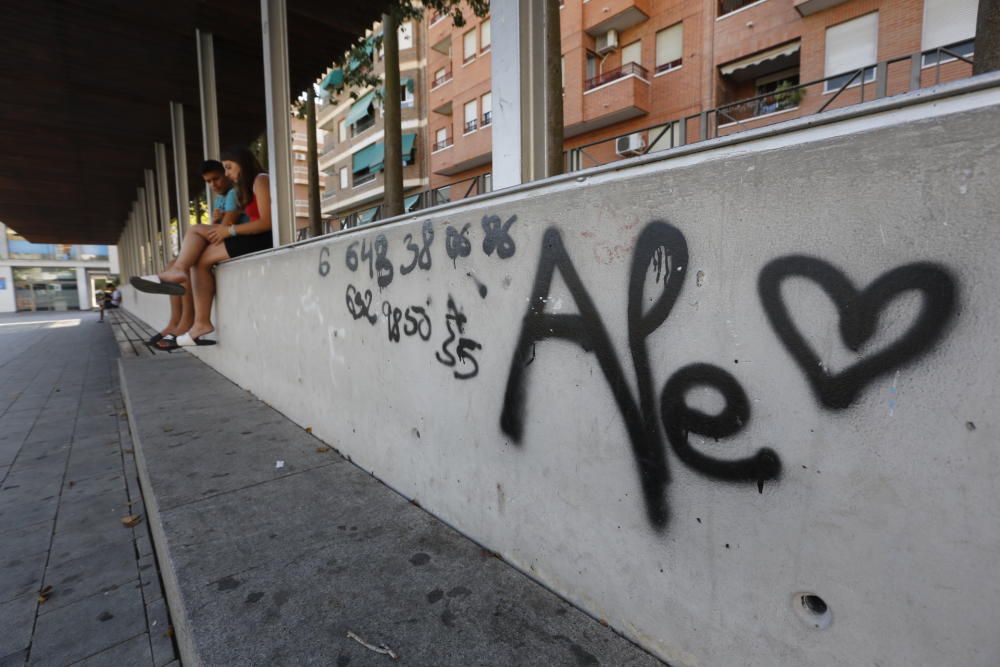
[[180, 167], [518, 74], [274, 20], [163, 201], [209, 103], [142, 220]]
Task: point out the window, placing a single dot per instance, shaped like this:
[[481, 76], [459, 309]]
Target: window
[[405, 95], [342, 130], [670, 48], [849, 47], [344, 183], [782, 92], [485, 37], [441, 139], [439, 77], [470, 117], [951, 24], [405, 36], [487, 106], [592, 61], [632, 53], [469, 46]]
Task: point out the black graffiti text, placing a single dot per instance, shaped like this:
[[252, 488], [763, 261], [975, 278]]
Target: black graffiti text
[[455, 322], [457, 243], [497, 236], [421, 254], [360, 304]]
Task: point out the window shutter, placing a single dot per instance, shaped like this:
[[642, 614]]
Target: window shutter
[[469, 44], [487, 103], [670, 44], [470, 111], [852, 45], [948, 21], [485, 37], [633, 53]]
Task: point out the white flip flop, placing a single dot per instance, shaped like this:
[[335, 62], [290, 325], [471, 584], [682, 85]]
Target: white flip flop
[[187, 341]]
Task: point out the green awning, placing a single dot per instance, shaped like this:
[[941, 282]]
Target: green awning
[[334, 79], [364, 158], [378, 157], [353, 64], [410, 201], [403, 81], [360, 108], [365, 217], [408, 143]]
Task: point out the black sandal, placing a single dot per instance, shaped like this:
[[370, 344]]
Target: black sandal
[[156, 286]]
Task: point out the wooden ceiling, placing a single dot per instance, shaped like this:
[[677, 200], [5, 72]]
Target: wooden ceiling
[[85, 87]]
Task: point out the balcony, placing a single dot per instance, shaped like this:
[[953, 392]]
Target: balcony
[[612, 97], [628, 69], [487, 118], [809, 7], [364, 124], [470, 126], [441, 144], [441, 78], [599, 16]]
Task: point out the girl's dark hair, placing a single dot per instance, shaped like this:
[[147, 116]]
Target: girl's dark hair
[[249, 168]]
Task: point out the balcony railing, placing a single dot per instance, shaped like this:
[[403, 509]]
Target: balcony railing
[[487, 118], [628, 69], [442, 144], [442, 78], [808, 98], [364, 178], [469, 187], [362, 125], [470, 126], [730, 6]]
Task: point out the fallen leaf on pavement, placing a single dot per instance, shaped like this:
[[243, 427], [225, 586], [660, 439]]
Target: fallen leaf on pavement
[[131, 520], [44, 594]]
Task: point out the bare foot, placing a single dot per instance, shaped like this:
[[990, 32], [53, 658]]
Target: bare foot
[[173, 275]]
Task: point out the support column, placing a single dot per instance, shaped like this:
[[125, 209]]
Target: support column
[[209, 102], [312, 155], [518, 74], [274, 20], [82, 288], [163, 201], [152, 220], [180, 168], [143, 224], [392, 201], [4, 251]]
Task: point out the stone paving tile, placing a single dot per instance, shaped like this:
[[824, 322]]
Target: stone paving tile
[[25, 540], [160, 632], [18, 659], [17, 617], [21, 576], [96, 571], [88, 627], [134, 651], [64, 486]]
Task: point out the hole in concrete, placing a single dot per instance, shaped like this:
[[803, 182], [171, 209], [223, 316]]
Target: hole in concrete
[[813, 610]]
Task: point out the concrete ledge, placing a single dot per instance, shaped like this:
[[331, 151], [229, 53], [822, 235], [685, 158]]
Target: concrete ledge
[[274, 565]]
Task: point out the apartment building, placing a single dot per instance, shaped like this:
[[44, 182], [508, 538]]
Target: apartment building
[[51, 276], [300, 174], [352, 155], [633, 69]]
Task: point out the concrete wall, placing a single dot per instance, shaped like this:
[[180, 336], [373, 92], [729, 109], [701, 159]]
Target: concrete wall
[[687, 392], [8, 302]]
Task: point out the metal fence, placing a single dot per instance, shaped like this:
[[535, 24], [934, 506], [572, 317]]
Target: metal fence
[[889, 77]]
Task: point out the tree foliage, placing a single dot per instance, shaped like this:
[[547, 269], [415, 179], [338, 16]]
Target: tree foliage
[[357, 64]]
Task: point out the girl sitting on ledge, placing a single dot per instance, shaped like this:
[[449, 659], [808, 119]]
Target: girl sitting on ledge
[[206, 245]]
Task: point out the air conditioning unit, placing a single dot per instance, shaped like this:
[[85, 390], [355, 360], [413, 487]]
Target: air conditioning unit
[[607, 42], [630, 144]]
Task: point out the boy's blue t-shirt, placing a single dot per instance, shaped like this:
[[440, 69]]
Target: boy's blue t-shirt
[[228, 202]]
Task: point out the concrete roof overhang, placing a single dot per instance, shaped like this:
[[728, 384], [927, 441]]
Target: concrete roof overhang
[[85, 87]]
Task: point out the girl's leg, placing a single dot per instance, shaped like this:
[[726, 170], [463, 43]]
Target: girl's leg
[[204, 288], [192, 248]]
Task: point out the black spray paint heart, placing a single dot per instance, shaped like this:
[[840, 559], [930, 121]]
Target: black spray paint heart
[[859, 314]]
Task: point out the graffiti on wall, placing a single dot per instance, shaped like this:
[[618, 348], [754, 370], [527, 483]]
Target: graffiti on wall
[[657, 273], [661, 249], [457, 349]]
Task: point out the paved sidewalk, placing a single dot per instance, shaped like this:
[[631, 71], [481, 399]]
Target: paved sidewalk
[[67, 477], [277, 551]]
